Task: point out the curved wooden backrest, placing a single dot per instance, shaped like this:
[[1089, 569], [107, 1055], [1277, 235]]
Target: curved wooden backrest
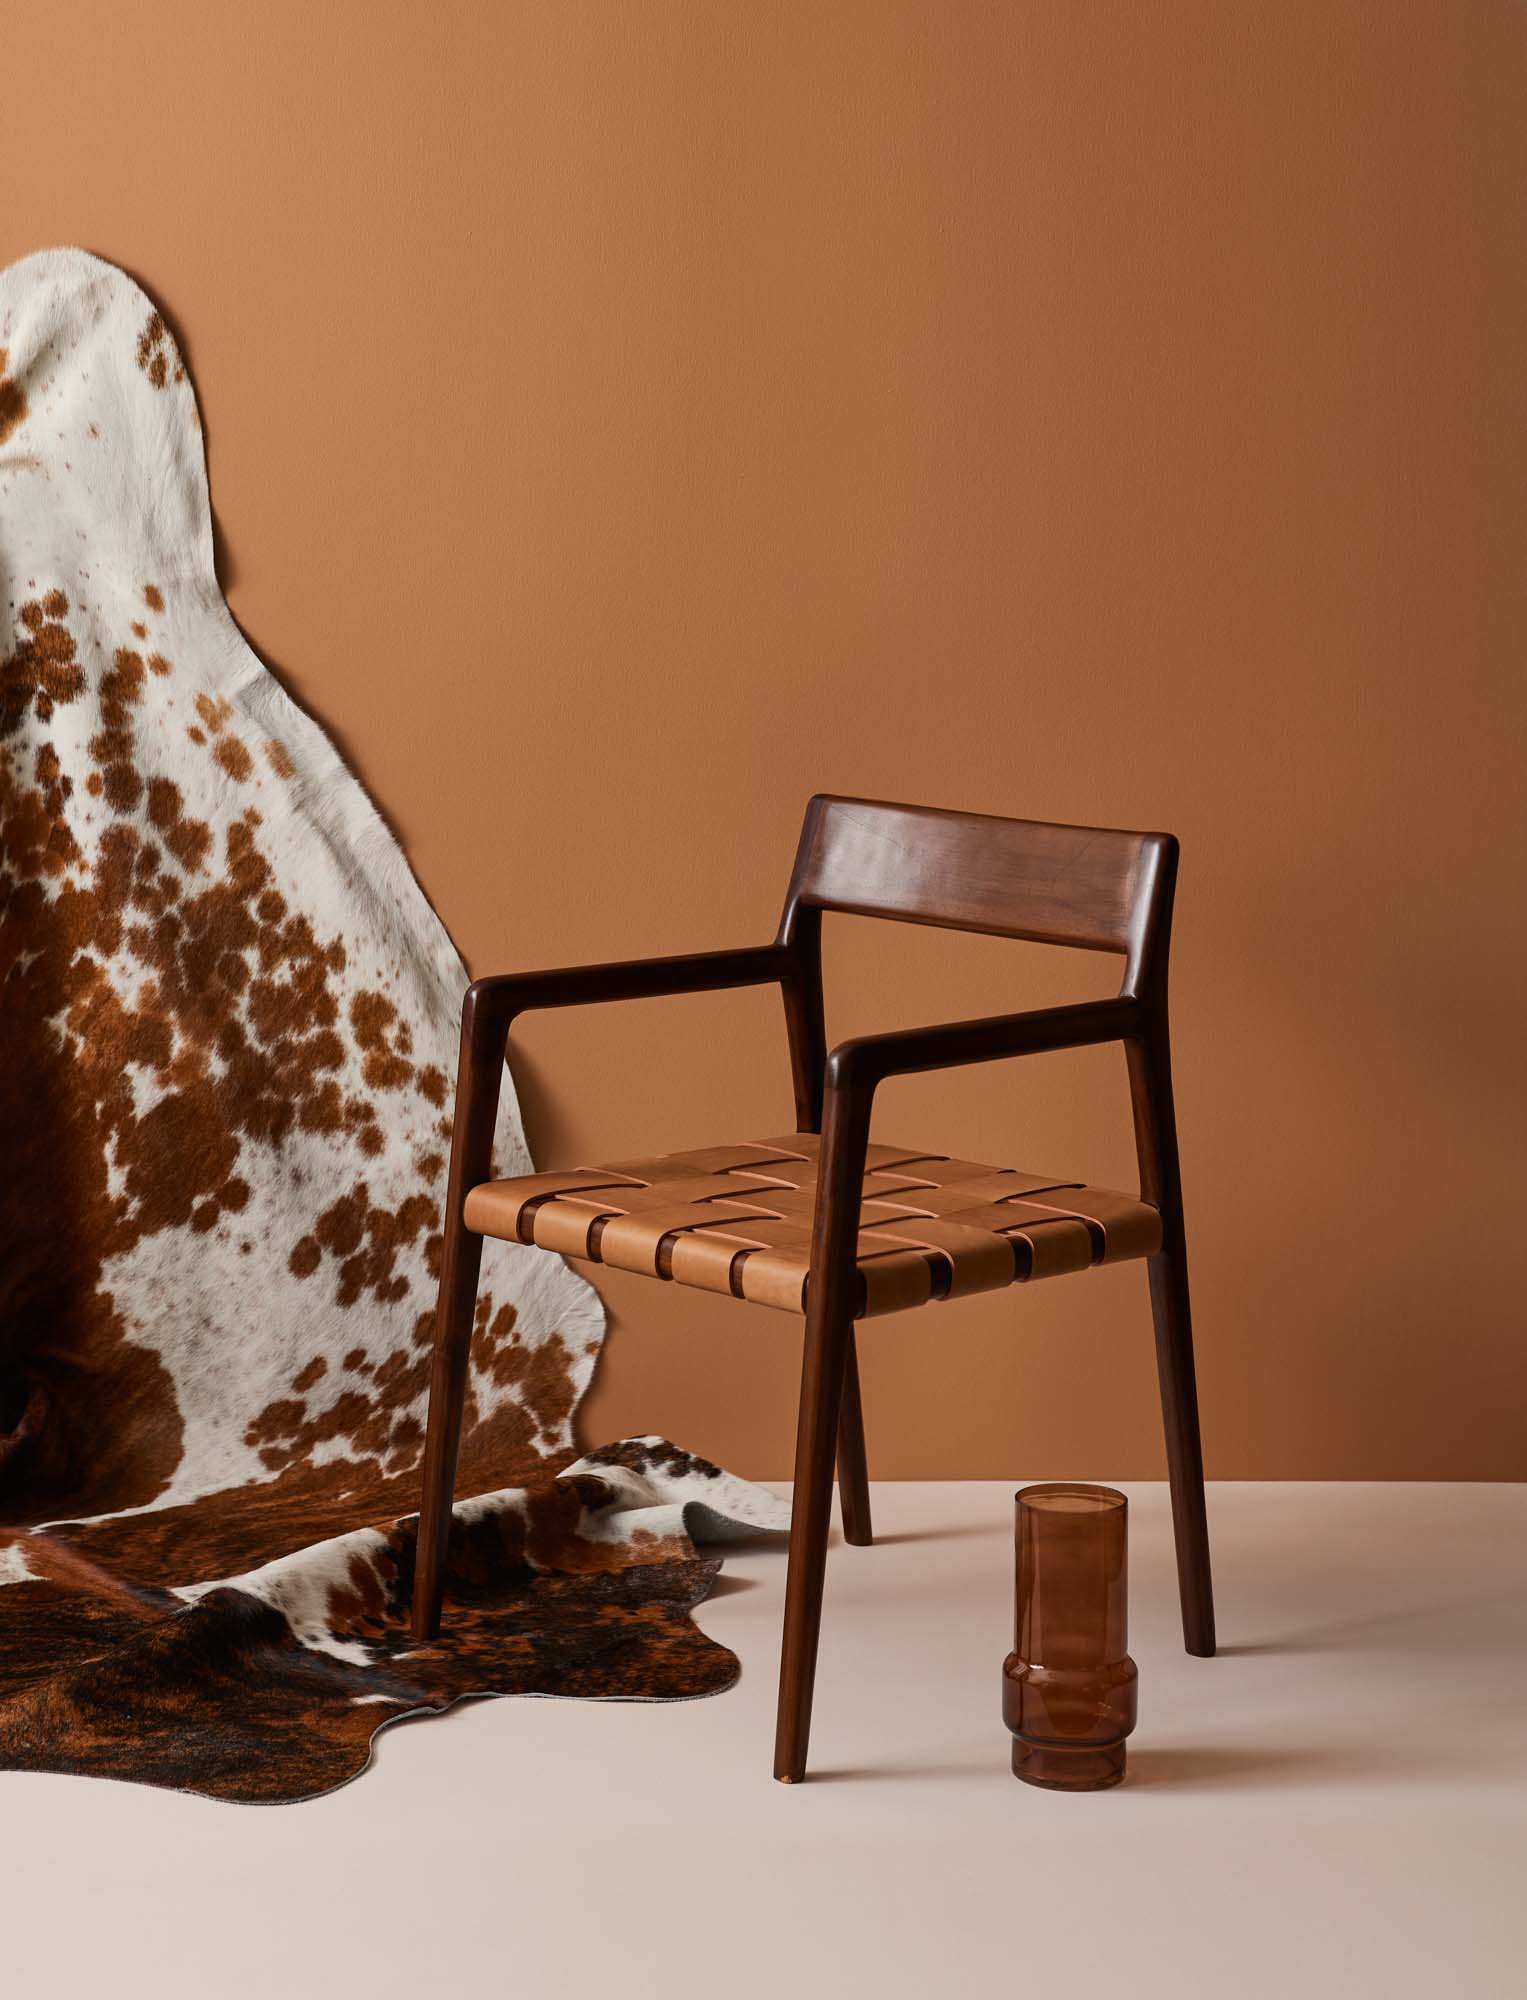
[[1094, 887]]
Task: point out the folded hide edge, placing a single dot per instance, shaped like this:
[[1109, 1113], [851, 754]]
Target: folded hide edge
[[229, 1021], [271, 1686]]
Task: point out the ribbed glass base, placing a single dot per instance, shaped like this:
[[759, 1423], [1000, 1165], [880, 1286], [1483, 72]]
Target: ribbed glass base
[[1092, 1768]]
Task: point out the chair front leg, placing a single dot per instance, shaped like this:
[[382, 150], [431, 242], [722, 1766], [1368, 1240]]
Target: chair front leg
[[447, 1395], [830, 1307], [478, 1079]]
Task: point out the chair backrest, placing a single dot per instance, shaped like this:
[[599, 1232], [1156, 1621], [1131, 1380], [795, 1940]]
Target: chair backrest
[[1093, 887]]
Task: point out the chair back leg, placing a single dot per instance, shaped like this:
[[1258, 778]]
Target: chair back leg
[[1150, 1075], [1184, 1453], [853, 1470]]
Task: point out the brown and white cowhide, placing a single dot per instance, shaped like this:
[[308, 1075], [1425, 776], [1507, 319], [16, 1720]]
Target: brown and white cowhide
[[227, 1036]]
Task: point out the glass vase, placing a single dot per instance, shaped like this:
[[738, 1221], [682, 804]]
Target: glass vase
[[1068, 1686]]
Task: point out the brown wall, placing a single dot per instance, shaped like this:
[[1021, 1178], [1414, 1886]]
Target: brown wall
[[628, 418]]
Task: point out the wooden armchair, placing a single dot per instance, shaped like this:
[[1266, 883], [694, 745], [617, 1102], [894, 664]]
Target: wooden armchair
[[820, 1221]]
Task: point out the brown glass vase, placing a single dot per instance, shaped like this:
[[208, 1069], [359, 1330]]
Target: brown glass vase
[[1068, 1686]]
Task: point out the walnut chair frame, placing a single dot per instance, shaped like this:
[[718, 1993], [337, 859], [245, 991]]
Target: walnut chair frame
[[1095, 888]]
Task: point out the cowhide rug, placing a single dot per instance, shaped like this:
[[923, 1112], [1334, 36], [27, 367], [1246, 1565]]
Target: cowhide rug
[[227, 1041]]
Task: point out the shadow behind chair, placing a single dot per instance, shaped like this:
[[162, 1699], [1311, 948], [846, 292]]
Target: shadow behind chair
[[820, 1221]]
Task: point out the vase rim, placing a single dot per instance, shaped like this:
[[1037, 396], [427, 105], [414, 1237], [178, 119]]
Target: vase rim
[[1069, 1496]]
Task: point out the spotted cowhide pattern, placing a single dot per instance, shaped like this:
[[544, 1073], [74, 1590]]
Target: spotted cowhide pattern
[[227, 1031]]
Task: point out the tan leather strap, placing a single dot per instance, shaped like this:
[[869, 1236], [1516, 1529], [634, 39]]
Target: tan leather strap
[[737, 1220]]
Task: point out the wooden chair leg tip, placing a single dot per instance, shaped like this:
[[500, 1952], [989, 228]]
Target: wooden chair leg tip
[[424, 1626]]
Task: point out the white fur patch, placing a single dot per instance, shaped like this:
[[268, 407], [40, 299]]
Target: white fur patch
[[301, 1587], [13, 1564]]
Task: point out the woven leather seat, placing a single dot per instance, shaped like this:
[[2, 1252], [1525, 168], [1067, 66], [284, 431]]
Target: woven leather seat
[[737, 1219]]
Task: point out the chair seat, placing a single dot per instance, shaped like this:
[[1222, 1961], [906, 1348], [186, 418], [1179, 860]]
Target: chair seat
[[737, 1219]]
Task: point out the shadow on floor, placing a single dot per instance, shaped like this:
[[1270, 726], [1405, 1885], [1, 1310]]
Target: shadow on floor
[[1189, 1769], [878, 1773], [1479, 1622], [910, 1535], [1211, 1766], [729, 1586]]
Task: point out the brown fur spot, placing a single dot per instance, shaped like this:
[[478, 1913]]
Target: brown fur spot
[[234, 758], [156, 354], [305, 1258], [42, 668], [366, 1241], [13, 405], [187, 839], [123, 787], [373, 1017], [542, 1374]]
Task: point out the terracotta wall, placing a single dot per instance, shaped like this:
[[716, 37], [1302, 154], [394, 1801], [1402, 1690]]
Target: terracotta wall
[[628, 418]]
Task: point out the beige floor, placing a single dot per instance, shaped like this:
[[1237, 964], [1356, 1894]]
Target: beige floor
[[1335, 1806]]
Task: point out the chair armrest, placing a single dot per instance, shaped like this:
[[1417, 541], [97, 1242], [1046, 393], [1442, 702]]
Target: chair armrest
[[491, 1004], [860, 1064]]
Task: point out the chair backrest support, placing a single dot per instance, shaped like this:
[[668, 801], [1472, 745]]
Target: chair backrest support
[[1096, 888]]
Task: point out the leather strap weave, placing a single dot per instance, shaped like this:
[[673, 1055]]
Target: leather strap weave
[[737, 1219]]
